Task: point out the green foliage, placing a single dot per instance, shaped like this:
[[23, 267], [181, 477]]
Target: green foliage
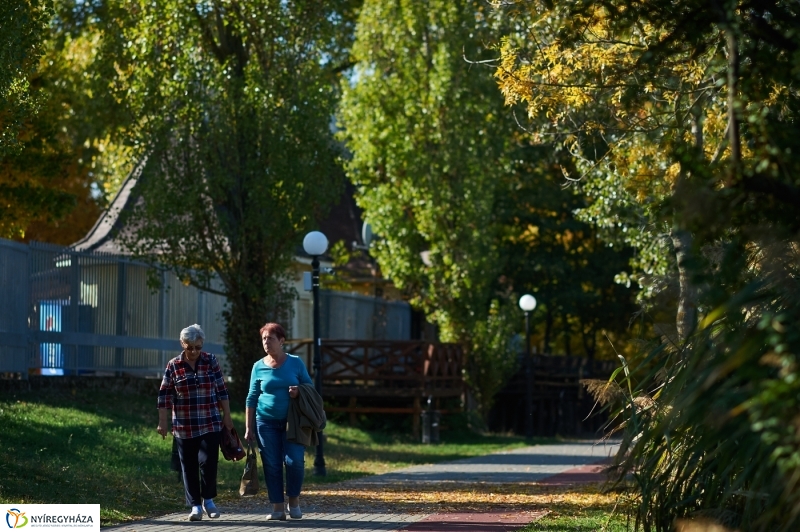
[[23, 30], [688, 132], [69, 155], [561, 259], [38, 181], [597, 81], [720, 439], [456, 197], [580, 519], [428, 144], [232, 107]]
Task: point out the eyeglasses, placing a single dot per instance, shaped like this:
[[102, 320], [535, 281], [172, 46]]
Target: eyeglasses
[[192, 347]]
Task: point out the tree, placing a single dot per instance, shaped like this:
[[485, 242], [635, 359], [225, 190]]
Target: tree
[[428, 142], [25, 193], [69, 155], [232, 103], [23, 26], [683, 122], [455, 193], [560, 258]]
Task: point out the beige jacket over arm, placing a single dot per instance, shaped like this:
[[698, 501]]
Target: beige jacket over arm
[[306, 417]]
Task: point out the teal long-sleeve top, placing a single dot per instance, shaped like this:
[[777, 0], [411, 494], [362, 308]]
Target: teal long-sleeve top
[[269, 387]]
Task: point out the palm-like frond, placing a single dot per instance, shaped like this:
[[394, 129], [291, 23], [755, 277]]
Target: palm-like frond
[[603, 391]]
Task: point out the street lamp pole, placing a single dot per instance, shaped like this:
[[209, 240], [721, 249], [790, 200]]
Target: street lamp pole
[[315, 244], [317, 339], [527, 303]]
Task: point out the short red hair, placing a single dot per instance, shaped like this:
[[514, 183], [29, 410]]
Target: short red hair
[[273, 328]]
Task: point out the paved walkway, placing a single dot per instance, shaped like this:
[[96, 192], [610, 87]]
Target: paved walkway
[[548, 465]]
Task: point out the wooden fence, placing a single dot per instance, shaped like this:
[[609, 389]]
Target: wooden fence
[[405, 372], [560, 405]]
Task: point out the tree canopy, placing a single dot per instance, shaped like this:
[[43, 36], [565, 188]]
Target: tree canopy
[[233, 104], [561, 259], [682, 119], [68, 154], [23, 31], [450, 187], [427, 151]]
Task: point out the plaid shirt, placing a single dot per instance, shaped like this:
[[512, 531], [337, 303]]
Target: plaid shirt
[[193, 395]]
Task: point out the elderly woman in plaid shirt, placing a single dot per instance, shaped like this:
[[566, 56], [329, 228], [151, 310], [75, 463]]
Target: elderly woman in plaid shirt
[[193, 389]]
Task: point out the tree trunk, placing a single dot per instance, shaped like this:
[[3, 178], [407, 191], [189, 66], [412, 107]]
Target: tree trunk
[[733, 111], [251, 305], [243, 319], [686, 318]]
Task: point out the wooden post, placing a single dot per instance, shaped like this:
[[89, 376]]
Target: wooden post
[[351, 405], [415, 422]]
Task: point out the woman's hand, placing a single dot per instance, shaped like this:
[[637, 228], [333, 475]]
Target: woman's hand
[[227, 420], [161, 430], [293, 392], [248, 435]]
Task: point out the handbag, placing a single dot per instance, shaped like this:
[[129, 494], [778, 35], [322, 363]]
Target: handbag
[[231, 445], [249, 485]]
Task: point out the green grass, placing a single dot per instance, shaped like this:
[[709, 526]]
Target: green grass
[[88, 446], [580, 520]]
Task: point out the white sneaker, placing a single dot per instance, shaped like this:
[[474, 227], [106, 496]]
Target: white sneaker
[[197, 514], [211, 508], [276, 516], [295, 513]]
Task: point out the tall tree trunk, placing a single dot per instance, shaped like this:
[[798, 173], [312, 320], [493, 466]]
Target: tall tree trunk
[[733, 103], [567, 335], [243, 319], [686, 318], [251, 305]]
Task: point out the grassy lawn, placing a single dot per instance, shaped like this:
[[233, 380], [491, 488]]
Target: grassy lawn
[[102, 447], [584, 518]]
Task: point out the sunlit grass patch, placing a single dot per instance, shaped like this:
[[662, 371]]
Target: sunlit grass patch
[[94, 446]]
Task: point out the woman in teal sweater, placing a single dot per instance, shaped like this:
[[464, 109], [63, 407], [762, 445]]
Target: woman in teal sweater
[[273, 382]]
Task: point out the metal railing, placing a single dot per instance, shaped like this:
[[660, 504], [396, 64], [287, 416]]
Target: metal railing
[[68, 312], [71, 312]]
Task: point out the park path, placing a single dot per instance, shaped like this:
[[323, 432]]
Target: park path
[[417, 499]]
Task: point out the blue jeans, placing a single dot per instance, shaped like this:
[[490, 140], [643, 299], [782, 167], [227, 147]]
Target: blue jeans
[[277, 452]]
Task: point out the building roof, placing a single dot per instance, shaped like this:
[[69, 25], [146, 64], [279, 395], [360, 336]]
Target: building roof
[[102, 236], [343, 222]]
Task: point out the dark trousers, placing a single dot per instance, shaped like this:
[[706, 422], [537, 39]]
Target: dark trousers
[[199, 457]]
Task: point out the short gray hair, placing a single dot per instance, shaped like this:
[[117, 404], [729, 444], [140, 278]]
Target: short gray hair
[[192, 333]]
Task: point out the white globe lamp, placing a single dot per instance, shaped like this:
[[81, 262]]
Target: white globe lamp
[[315, 243], [527, 303]]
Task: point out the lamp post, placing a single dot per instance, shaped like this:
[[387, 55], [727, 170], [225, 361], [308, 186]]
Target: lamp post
[[315, 244], [527, 303]]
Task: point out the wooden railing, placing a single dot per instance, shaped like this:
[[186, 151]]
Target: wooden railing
[[402, 372], [385, 368]]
